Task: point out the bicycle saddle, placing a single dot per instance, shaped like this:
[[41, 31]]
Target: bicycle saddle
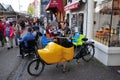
[[85, 39]]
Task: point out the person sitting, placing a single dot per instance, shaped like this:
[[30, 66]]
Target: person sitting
[[23, 41], [34, 32], [49, 31], [67, 30]]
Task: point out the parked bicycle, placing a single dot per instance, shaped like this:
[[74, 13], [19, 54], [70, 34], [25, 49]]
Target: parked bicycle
[[54, 53]]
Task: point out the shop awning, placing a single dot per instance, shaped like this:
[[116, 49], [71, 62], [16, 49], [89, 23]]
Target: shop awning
[[55, 5], [71, 7], [106, 7]]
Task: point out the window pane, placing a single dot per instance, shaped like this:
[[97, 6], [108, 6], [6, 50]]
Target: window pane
[[107, 24]]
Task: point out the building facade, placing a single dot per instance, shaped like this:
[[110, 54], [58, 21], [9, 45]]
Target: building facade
[[37, 8], [44, 3], [34, 8], [79, 16], [90, 17]]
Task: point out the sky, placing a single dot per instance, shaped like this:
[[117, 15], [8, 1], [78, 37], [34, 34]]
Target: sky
[[15, 4]]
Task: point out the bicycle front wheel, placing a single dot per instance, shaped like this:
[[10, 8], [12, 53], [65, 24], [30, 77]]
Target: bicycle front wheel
[[88, 52], [35, 67]]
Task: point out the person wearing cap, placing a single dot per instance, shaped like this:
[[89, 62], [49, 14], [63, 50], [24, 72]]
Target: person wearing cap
[[9, 34]]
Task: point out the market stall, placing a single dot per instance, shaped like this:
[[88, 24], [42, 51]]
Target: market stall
[[56, 7]]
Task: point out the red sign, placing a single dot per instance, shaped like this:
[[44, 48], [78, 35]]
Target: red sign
[[55, 4], [70, 7]]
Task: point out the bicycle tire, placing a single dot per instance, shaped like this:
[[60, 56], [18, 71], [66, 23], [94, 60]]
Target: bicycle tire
[[38, 64], [89, 53]]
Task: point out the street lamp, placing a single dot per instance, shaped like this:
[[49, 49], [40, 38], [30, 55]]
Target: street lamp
[[19, 4], [47, 11]]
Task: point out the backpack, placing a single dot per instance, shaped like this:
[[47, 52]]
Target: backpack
[[67, 30]]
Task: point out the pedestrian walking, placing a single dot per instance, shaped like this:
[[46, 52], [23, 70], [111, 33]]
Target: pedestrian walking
[[17, 29], [9, 34], [22, 24], [1, 33]]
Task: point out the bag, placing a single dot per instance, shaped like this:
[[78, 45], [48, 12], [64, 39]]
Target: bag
[[11, 32], [21, 31]]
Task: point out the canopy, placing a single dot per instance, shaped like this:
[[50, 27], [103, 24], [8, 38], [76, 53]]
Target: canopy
[[55, 5], [106, 7]]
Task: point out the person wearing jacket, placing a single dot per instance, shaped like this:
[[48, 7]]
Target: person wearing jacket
[[17, 29], [9, 34], [23, 41], [1, 33]]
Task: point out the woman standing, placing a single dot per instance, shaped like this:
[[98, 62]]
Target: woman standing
[[17, 29]]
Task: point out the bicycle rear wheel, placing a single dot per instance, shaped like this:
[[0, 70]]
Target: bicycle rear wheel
[[35, 67], [88, 52]]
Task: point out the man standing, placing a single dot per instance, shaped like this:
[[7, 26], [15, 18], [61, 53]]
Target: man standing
[[17, 29], [22, 24], [1, 33]]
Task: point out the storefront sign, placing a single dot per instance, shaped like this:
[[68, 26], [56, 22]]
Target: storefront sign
[[55, 4], [70, 7]]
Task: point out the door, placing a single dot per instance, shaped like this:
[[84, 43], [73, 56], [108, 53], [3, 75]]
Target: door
[[80, 22]]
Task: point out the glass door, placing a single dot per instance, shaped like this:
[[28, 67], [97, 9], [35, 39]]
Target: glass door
[[80, 22]]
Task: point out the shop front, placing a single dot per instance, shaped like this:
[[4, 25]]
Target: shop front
[[56, 7], [106, 32], [76, 15]]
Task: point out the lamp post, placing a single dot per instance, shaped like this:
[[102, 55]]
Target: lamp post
[[19, 4], [111, 21]]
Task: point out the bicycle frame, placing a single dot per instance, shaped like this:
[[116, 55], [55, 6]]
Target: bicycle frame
[[79, 55], [83, 48]]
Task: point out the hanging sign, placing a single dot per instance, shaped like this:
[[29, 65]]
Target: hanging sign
[[70, 7]]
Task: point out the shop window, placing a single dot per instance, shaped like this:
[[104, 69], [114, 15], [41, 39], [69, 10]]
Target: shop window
[[69, 1], [107, 24], [74, 22], [77, 22]]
